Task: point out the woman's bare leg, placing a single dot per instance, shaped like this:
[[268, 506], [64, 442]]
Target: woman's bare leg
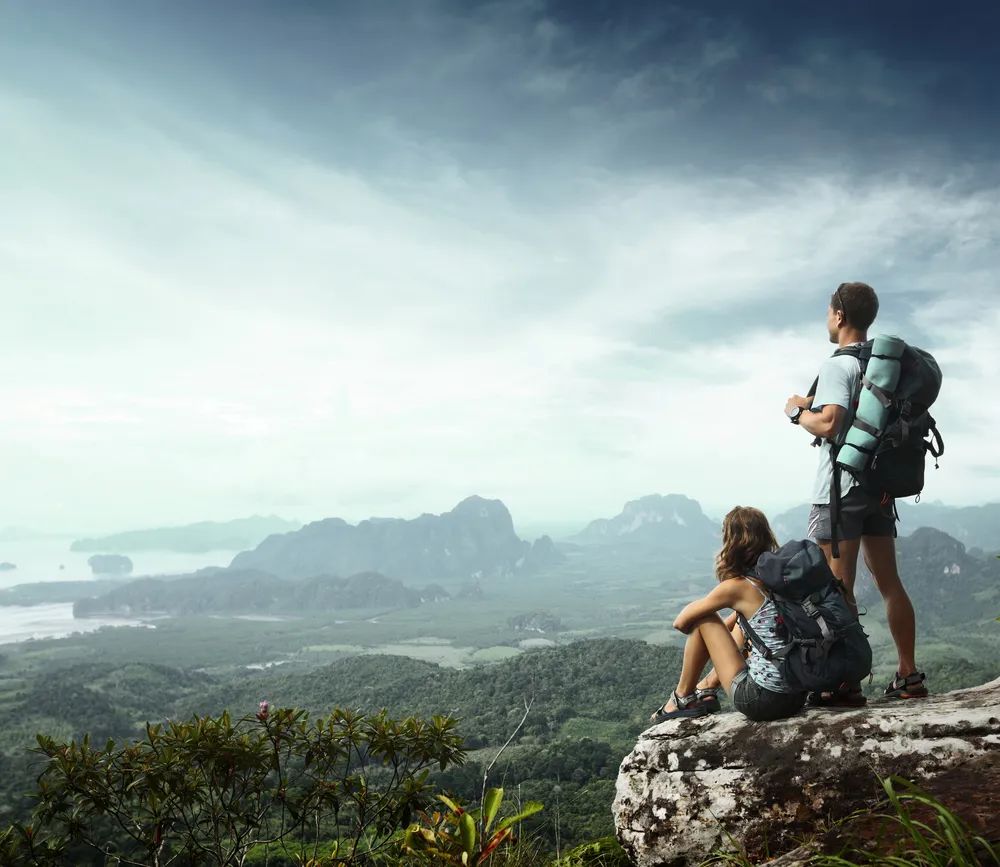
[[709, 639], [711, 680]]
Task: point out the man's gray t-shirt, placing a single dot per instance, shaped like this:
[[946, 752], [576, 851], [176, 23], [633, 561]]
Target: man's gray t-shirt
[[839, 383]]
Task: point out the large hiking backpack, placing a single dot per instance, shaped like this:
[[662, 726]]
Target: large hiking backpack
[[825, 644], [892, 430]]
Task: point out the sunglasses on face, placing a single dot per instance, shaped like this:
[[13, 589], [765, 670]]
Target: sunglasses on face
[[840, 298]]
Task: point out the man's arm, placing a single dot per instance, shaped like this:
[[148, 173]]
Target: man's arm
[[797, 400], [824, 422], [834, 390]]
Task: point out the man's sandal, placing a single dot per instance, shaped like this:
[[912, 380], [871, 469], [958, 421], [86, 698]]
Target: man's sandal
[[911, 686], [846, 695]]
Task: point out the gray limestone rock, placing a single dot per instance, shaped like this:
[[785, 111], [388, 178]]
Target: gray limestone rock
[[110, 564], [693, 786], [673, 522]]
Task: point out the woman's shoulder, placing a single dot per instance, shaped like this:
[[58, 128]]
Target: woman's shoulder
[[747, 595], [739, 588]]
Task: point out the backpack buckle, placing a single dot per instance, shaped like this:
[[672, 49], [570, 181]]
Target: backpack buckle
[[810, 608]]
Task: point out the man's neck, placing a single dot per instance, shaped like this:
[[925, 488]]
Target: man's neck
[[847, 336]]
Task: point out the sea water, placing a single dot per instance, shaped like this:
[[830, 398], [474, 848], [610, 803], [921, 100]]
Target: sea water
[[50, 559], [51, 620]]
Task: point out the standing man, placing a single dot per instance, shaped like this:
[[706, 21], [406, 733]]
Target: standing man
[[865, 523]]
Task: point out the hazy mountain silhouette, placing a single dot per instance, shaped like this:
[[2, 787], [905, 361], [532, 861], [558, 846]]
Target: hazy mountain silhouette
[[476, 539]]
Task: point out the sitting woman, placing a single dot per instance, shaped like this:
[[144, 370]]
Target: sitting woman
[[754, 683]]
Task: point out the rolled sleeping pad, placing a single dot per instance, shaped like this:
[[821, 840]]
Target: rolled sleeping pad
[[883, 374]]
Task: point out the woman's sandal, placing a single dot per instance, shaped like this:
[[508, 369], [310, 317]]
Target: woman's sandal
[[684, 706], [709, 699]]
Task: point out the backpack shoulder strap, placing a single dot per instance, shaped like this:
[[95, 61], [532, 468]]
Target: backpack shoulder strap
[[855, 349], [861, 351], [753, 637]]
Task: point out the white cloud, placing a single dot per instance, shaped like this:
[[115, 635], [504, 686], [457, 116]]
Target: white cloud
[[203, 326]]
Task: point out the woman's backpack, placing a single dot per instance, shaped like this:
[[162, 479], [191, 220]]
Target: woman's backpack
[[826, 646]]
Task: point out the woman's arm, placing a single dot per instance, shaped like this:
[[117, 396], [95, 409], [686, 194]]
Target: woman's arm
[[725, 594]]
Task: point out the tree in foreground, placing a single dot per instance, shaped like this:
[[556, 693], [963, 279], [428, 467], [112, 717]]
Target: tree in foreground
[[209, 790]]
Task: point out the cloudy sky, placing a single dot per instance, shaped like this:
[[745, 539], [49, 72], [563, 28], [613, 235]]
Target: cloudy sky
[[364, 259]]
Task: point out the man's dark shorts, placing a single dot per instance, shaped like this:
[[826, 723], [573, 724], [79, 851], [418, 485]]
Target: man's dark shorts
[[861, 514]]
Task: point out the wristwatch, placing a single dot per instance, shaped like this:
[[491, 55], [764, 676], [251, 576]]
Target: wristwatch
[[794, 417]]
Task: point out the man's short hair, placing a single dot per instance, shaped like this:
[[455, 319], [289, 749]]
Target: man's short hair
[[858, 302]]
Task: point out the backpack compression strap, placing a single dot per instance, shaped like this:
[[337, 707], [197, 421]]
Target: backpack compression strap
[[828, 637], [758, 642], [936, 445], [824, 628], [835, 495], [862, 353]]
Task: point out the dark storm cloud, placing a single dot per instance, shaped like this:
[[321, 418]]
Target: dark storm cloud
[[506, 87]]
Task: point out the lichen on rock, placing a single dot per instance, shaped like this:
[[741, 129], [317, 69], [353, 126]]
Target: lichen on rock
[[693, 786]]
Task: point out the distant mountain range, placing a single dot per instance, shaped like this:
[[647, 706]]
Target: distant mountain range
[[292, 571], [946, 584], [248, 591], [973, 526], [673, 522], [474, 540], [677, 524], [237, 535]]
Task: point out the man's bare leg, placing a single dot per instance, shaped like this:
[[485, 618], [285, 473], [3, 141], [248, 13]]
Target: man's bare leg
[[880, 558], [845, 567]]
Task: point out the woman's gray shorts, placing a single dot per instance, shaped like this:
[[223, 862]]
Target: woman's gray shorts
[[760, 704]]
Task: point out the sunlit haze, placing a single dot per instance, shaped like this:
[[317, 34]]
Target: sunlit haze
[[368, 259]]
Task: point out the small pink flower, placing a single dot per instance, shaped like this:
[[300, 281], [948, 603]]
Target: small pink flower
[[262, 709]]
